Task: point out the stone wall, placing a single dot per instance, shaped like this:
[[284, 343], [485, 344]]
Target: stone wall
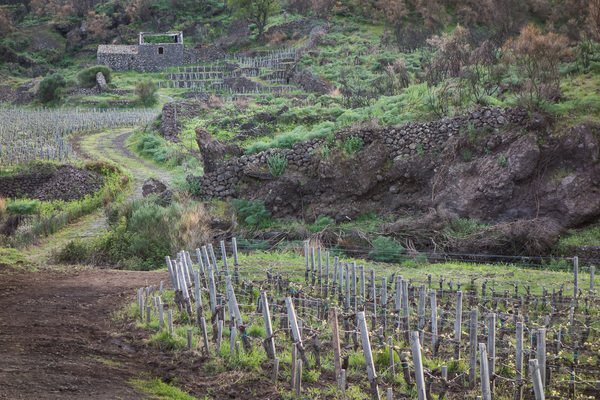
[[397, 142], [49, 183], [173, 113]]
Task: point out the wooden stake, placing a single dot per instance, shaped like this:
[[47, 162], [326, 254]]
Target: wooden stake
[[306, 258], [298, 378], [458, 324], [541, 354], [391, 355], [296, 337], [390, 394], [491, 345], [170, 322], [538, 388], [205, 335], [189, 339], [484, 373], [366, 345], [270, 341], [434, 325], [418, 362], [275, 369], [472, 347], [224, 257], [236, 261], [333, 320], [161, 316]]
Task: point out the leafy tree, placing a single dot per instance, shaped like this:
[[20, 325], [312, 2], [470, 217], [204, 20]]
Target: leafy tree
[[257, 11], [51, 88]]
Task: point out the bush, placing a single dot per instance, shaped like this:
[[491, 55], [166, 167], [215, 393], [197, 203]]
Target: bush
[[537, 57], [75, 252], [321, 223], [352, 145], [142, 233], [386, 249], [146, 93], [277, 164], [51, 88], [87, 77], [252, 213], [23, 207]]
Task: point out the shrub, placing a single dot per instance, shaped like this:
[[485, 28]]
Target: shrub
[[386, 249], [277, 164], [352, 145], [87, 77], [51, 88], [322, 222], [146, 93], [252, 213], [23, 207], [75, 252], [537, 57]]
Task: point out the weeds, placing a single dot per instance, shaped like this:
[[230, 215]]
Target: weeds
[[277, 164], [352, 145]]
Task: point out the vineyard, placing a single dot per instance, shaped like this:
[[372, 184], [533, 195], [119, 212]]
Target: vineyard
[[324, 328], [42, 134], [238, 74]]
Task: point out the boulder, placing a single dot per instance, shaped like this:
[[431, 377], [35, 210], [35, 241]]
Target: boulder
[[101, 81]]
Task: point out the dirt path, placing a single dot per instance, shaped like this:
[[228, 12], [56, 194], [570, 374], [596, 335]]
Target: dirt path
[[109, 146], [58, 339]]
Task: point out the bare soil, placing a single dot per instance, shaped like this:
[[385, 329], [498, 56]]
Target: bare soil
[[58, 339]]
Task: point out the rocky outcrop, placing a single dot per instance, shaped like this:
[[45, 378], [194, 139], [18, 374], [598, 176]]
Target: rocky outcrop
[[154, 187], [496, 166], [395, 144], [214, 152]]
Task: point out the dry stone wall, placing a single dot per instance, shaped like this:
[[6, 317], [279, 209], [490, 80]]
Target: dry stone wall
[[398, 142], [62, 183]]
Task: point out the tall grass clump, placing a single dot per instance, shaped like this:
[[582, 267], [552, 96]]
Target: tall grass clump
[[252, 213], [277, 164]]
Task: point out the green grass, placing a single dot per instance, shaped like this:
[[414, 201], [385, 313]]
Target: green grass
[[500, 276], [160, 390], [574, 238], [12, 258]]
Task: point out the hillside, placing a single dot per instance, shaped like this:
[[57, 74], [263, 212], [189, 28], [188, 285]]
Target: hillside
[[309, 162]]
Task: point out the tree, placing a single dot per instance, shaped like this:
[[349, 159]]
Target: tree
[[257, 11], [537, 57], [593, 19]]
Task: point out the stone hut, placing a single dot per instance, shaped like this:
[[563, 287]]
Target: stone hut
[[154, 52]]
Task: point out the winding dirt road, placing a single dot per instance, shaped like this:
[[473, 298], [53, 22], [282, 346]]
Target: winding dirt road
[[58, 338]]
